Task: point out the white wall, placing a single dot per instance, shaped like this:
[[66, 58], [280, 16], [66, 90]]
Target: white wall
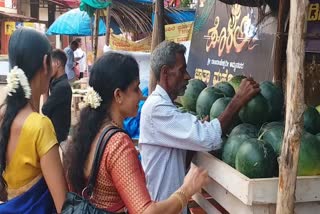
[[25, 7]]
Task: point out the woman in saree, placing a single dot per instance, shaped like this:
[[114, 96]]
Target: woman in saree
[[120, 185], [32, 177]]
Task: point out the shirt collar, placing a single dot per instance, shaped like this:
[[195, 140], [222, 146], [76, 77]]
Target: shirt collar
[[55, 81], [159, 90]]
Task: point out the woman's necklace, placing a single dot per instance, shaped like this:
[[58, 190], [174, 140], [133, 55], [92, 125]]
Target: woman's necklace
[[116, 124]]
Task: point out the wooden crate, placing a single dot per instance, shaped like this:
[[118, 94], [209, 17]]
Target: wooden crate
[[239, 194]]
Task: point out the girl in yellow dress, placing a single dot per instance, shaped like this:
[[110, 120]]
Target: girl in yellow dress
[[32, 178]]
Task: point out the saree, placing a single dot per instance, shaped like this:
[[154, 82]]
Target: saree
[[37, 200]]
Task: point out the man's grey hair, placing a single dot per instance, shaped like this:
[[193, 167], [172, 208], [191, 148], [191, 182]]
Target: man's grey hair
[[165, 54]]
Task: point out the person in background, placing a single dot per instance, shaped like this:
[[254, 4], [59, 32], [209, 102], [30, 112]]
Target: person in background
[[166, 134], [57, 105], [132, 124], [31, 173], [71, 61], [80, 58], [120, 183]]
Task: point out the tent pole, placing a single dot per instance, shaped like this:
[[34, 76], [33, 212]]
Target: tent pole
[[280, 39], [158, 35], [96, 35], [108, 20], [295, 108]]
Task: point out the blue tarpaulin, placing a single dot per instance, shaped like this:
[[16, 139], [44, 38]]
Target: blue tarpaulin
[[78, 23]]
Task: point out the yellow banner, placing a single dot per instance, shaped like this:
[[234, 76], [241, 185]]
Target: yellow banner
[[174, 32], [123, 44], [10, 27], [181, 32]]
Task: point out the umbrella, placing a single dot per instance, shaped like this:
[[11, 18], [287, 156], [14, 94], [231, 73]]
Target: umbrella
[[75, 23]]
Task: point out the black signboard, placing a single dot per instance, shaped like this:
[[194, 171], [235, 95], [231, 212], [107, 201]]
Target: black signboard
[[229, 40]]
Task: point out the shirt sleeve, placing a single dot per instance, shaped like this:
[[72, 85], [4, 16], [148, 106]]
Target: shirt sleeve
[[172, 128], [56, 97], [127, 174], [46, 138]]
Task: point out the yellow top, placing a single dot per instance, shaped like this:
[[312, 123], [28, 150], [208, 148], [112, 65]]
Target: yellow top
[[37, 137]]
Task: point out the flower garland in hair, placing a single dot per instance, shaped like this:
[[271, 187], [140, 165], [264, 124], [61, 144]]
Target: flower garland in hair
[[15, 78], [92, 98]]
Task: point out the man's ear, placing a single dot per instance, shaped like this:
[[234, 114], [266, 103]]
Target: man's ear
[[164, 71]]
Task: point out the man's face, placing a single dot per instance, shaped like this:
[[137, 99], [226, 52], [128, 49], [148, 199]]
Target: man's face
[[178, 76], [74, 47], [55, 67]]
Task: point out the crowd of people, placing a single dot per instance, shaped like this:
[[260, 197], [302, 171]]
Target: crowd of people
[[35, 179]]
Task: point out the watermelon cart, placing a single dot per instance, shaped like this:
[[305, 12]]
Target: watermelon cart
[[277, 134]]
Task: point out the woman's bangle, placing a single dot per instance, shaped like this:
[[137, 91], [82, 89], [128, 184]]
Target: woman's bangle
[[179, 199], [182, 197]]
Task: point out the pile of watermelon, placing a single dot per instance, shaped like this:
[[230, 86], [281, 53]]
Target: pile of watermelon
[[254, 141]]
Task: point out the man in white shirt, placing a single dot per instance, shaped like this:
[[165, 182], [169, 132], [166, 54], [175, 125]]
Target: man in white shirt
[[80, 57], [166, 134]]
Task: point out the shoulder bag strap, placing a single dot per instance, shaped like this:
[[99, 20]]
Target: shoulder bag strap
[[101, 145]]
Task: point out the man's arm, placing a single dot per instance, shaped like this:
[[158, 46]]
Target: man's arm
[[171, 128], [248, 89], [56, 97]]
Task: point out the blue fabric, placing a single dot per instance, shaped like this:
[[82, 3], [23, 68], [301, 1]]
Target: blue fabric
[[179, 17], [78, 23], [36, 200], [132, 124]]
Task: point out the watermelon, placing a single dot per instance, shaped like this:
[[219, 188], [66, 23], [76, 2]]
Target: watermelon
[[318, 108], [245, 128], [218, 107], [256, 111], [309, 157], [265, 127], [311, 120], [256, 159], [218, 152], [231, 148], [318, 136], [274, 97], [236, 81], [205, 100], [226, 88], [189, 99], [274, 136], [182, 109]]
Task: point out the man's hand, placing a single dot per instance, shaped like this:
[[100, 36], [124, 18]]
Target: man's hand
[[247, 90]]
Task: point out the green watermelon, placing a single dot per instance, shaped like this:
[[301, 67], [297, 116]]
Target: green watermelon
[[274, 136], [256, 159], [274, 97], [318, 108], [219, 106], [309, 157], [182, 109], [311, 120], [226, 88], [318, 137], [194, 88], [256, 111], [267, 126], [236, 81], [231, 148], [218, 153], [245, 128], [205, 100]]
